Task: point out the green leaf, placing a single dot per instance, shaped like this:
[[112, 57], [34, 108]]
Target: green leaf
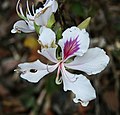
[[51, 21], [85, 23]]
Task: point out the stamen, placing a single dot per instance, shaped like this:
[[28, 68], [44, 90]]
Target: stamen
[[28, 8], [26, 12], [21, 11], [19, 8], [33, 10], [58, 79]]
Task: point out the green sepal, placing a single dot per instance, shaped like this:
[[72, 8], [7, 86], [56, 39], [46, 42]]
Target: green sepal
[[37, 28], [51, 21], [85, 23], [59, 33], [53, 45]]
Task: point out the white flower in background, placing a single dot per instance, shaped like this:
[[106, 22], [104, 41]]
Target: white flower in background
[[39, 16], [76, 56], [43, 14]]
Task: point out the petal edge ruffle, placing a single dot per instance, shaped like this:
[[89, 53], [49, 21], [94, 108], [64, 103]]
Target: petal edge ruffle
[[80, 86]]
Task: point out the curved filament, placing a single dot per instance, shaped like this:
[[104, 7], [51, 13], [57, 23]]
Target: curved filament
[[20, 11], [28, 9], [58, 79]]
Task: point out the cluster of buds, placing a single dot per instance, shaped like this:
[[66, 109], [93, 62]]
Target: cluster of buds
[[75, 53]]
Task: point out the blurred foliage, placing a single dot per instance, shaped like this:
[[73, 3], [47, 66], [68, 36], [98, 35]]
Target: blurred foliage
[[18, 97]]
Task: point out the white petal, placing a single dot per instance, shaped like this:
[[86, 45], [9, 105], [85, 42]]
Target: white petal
[[92, 62], [21, 26], [40, 20], [34, 71], [31, 25], [82, 39], [82, 103], [43, 18], [49, 53], [80, 86], [47, 36], [55, 6], [13, 30], [51, 3]]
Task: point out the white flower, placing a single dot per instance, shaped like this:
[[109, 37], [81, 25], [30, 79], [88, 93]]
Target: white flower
[[38, 17], [75, 43], [43, 14]]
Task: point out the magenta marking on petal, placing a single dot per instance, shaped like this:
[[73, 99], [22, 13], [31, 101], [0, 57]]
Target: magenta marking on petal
[[70, 47]]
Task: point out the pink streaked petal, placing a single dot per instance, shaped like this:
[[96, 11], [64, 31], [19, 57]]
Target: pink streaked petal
[[81, 45], [70, 47]]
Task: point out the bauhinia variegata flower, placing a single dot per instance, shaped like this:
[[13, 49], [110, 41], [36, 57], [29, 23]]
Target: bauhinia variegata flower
[[34, 18], [75, 55]]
